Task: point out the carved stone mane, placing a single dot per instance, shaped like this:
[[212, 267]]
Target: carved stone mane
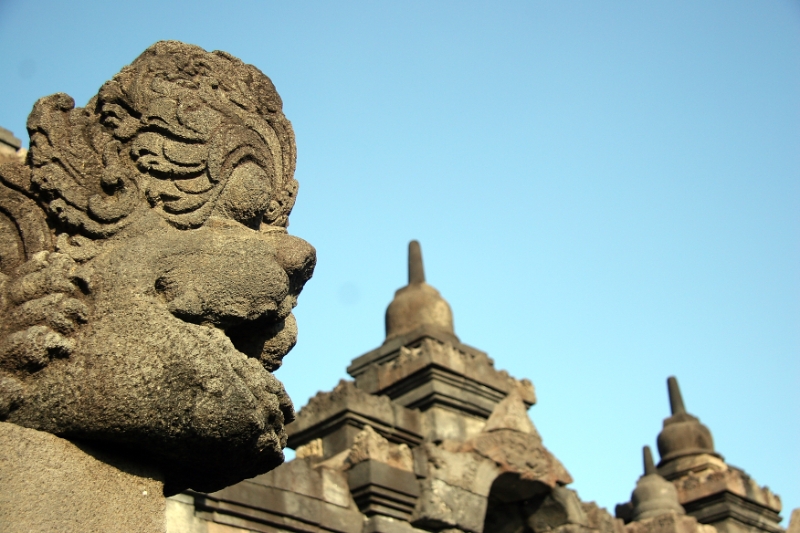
[[147, 276]]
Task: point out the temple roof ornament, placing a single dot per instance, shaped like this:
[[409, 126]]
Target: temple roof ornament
[[683, 434], [418, 304], [653, 495]]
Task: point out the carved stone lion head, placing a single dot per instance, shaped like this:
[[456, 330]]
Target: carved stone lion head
[[148, 278]]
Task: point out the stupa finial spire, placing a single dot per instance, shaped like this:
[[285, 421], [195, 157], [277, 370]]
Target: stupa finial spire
[[418, 307], [649, 465], [653, 495], [416, 271], [675, 398]]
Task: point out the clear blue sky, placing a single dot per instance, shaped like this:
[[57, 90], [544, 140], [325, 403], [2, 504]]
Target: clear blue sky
[[607, 193]]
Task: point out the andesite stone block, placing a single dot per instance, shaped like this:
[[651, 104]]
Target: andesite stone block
[[378, 488], [442, 505], [385, 524], [669, 522], [338, 416], [51, 484]]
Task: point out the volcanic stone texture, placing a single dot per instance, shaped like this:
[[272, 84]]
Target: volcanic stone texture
[[147, 279], [50, 484]]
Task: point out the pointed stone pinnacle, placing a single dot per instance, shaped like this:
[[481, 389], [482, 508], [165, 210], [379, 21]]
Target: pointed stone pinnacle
[[683, 434], [654, 496], [418, 305], [511, 413], [675, 398], [416, 272], [649, 465]]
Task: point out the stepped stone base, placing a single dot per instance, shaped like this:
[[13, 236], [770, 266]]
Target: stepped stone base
[[51, 484], [669, 523]]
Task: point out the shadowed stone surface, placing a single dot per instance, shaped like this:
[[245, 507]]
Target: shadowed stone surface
[[50, 484], [147, 276]]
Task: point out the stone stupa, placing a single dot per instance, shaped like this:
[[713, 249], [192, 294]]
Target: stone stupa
[[653, 495], [428, 437], [709, 489]]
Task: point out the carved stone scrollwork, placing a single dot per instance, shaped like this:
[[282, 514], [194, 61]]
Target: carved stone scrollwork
[[147, 276]]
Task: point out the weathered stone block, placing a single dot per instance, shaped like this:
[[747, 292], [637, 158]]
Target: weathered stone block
[[521, 453], [731, 513], [669, 523], [432, 372], [181, 517], [466, 471], [380, 489], [601, 520], [303, 477], [442, 506], [338, 416], [368, 445], [8, 143], [794, 522], [697, 485], [261, 508], [561, 507], [50, 484], [385, 524]]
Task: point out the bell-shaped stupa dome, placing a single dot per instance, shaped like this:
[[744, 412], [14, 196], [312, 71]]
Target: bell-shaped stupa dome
[[653, 495], [683, 434], [418, 304]]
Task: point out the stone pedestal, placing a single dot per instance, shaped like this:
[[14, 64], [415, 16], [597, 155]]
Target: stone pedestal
[[381, 489], [724, 496], [669, 523], [51, 484]]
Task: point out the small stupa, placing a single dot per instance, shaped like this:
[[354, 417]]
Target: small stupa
[[428, 436], [418, 306], [653, 495], [709, 489], [655, 507], [684, 443]]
